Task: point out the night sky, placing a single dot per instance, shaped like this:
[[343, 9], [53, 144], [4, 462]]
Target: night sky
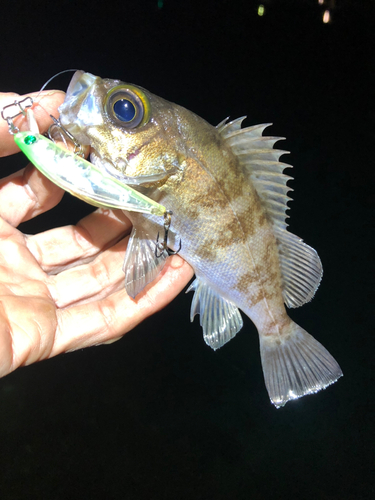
[[159, 415]]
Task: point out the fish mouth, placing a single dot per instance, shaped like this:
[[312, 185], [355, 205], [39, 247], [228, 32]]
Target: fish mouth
[[118, 168], [103, 163], [79, 83], [81, 107]]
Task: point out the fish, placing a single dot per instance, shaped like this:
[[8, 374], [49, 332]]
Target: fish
[[227, 192]]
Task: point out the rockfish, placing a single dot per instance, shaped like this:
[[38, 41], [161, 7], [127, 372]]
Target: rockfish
[[228, 194]]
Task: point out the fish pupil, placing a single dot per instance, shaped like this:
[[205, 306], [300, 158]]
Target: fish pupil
[[124, 110]]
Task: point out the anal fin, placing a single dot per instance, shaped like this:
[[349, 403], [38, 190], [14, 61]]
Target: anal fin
[[220, 319]]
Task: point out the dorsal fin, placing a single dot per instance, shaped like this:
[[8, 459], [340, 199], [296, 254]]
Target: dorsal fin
[[261, 162], [301, 268], [300, 265], [226, 128]]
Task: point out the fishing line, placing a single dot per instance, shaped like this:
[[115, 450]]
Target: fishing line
[[54, 76], [35, 99], [56, 124]]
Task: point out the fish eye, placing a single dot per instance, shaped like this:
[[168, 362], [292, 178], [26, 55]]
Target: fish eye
[[127, 106], [124, 110]]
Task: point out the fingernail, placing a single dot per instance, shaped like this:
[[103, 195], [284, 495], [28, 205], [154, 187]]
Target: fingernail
[[52, 92]]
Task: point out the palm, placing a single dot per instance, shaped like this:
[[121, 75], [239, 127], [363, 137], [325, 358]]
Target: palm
[[63, 289]]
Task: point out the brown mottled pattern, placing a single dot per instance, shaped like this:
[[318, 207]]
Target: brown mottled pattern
[[226, 234], [213, 180]]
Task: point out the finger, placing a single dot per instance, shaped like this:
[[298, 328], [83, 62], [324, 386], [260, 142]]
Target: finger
[[69, 246], [26, 337], [26, 194], [105, 320], [87, 282], [16, 262], [45, 103]]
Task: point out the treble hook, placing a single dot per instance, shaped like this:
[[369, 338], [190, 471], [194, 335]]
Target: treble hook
[[164, 245], [65, 133]]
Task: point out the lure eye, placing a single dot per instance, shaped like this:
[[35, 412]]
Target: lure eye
[[127, 106], [30, 139]]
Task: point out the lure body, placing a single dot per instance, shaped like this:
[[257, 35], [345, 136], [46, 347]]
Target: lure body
[[81, 178]]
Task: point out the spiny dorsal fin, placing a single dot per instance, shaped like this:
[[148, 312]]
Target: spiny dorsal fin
[[226, 128], [261, 162], [300, 265]]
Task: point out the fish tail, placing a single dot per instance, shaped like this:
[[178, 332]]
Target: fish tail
[[296, 365]]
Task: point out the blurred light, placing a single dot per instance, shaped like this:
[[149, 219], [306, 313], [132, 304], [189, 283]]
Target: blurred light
[[326, 17], [161, 4], [261, 10], [321, 2]]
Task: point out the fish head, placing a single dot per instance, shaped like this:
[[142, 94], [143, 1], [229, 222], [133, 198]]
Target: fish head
[[129, 129]]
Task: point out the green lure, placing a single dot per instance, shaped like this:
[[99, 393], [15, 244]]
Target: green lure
[[81, 178]]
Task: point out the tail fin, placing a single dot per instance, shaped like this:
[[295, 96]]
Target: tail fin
[[296, 366]]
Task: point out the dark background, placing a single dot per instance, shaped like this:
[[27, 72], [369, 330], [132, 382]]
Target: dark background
[[159, 415]]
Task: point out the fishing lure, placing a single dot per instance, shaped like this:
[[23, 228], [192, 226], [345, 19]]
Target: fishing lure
[[73, 173], [76, 175], [81, 178]]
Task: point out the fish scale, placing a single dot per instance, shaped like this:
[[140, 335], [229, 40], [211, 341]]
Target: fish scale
[[228, 194]]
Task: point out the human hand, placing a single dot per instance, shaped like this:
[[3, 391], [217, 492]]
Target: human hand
[[63, 289]]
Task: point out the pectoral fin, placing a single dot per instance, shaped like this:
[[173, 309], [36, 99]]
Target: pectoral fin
[[141, 266], [219, 318]]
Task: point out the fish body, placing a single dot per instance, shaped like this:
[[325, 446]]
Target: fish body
[[228, 194]]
